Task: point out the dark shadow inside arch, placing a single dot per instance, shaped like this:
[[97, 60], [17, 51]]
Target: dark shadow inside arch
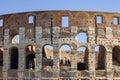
[[14, 58], [100, 57], [1, 58], [30, 63], [116, 55], [30, 57]]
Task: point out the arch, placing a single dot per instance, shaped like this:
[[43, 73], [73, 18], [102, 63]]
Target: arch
[[14, 58], [15, 39], [82, 37], [30, 56], [30, 49], [82, 58], [47, 53], [116, 56], [65, 55], [100, 52], [83, 14]]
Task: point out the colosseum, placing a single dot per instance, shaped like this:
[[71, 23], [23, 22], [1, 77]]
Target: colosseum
[[30, 45]]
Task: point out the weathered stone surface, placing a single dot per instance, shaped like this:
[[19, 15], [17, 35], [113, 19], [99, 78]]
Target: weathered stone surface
[[47, 28]]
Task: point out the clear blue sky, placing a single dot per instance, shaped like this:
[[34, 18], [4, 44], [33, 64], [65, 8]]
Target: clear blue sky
[[15, 6]]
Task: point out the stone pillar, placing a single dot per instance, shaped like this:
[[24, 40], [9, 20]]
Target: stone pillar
[[22, 60], [22, 56], [73, 60], [108, 62], [91, 63], [38, 65], [56, 59], [91, 52], [6, 57]]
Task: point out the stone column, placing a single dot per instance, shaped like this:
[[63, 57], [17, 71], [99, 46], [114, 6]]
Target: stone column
[[38, 65], [73, 61], [91, 52], [22, 55], [22, 64], [91, 63], [108, 62], [56, 59], [6, 57]]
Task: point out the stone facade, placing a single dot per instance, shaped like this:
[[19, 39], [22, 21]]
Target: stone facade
[[40, 28]]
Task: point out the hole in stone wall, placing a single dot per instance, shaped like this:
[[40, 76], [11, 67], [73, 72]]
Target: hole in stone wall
[[100, 53], [1, 22], [31, 19], [82, 37], [30, 49], [82, 58], [65, 21], [30, 57], [116, 56], [99, 19], [1, 56], [116, 20], [65, 55], [14, 58], [47, 54], [15, 39]]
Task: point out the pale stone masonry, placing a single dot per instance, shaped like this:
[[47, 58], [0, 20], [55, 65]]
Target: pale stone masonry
[[27, 59]]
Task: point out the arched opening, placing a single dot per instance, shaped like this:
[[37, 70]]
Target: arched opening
[[15, 39], [65, 55], [30, 57], [100, 53], [82, 58], [47, 53], [82, 37], [116, 56], [1, 56], [14, 58]]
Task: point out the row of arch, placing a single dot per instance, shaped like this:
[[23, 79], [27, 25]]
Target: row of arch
[[81, 37], [65, 55]]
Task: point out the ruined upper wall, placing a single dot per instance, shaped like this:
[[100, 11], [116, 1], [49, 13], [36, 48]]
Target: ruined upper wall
[[44, 18], [48, 19]]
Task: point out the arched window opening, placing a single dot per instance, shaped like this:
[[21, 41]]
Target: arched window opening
[[100, 52], [14, 58], [1, 56], [30, 57], [82, 37], [65, 55], [116, 56], [30, 49], [47, 54], [15, 39], [82, 58]]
